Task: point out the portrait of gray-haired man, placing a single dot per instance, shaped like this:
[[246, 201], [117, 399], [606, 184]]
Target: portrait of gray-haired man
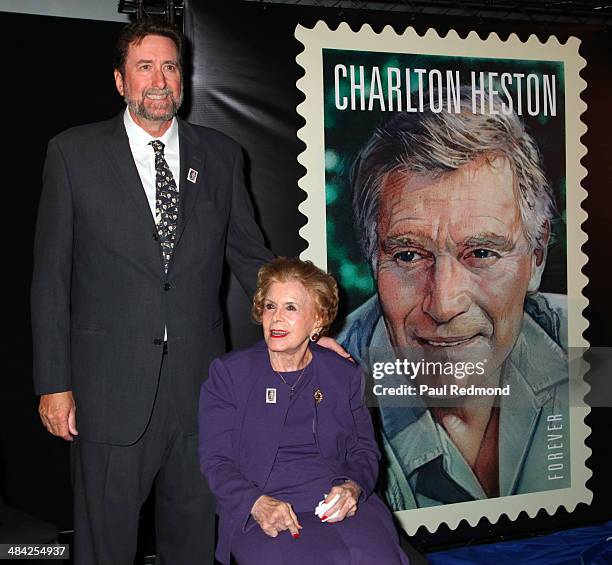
[[454, 217]]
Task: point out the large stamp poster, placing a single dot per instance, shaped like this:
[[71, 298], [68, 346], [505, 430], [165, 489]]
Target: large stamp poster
[[443, 191]]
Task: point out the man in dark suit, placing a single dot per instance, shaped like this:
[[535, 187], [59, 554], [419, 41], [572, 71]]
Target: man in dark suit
[[136, 217]]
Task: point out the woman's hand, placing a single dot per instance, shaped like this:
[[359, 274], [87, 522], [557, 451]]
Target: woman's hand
[[346, 505], [274, 516]]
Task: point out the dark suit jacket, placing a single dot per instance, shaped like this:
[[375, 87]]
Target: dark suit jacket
[[240, 432], [100, 298]]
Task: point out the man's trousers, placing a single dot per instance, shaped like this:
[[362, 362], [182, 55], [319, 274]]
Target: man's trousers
[[111, 483]]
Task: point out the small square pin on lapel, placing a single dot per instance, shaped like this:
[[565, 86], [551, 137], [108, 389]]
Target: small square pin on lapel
[[270, 396], [192, 176]]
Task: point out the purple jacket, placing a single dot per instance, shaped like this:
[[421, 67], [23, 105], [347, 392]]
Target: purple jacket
[[240, 432]]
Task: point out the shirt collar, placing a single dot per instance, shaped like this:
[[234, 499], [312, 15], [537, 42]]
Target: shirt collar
[[536, 364], [394, 419], [140, 138]]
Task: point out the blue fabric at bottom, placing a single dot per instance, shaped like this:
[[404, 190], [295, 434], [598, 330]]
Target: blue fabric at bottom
[[579, 546]]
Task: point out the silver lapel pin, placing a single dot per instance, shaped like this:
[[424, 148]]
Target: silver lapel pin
[[270, 396], [192, 175]]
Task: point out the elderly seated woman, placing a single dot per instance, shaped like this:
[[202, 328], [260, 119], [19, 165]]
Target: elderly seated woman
[[282, 426]]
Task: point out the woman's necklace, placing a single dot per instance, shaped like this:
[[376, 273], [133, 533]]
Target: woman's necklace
[[291, 387]]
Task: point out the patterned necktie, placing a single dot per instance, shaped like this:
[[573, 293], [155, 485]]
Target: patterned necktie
[[166, 203]]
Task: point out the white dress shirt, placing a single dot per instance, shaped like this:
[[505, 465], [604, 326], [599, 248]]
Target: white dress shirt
[[144, 157]]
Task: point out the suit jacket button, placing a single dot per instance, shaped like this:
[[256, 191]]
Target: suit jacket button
[[158, 341], [167, 286], [155, 236]]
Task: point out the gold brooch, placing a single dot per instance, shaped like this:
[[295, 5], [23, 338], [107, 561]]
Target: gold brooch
[[318, 395]]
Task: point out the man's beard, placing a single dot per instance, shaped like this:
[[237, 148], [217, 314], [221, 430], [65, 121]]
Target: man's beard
[[139, 109]]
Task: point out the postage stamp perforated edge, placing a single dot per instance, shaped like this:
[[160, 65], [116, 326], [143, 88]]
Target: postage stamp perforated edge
[[311, 109]]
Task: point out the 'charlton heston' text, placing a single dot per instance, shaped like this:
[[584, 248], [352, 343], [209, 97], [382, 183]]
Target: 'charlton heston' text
[[392, 89]]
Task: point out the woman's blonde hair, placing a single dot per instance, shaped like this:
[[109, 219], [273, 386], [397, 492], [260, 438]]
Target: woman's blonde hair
[[321, 286]]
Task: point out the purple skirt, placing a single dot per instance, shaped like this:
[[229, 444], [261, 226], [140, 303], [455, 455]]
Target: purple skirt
[[366, 538]]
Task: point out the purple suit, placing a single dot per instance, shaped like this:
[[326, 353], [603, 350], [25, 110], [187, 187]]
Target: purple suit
[[240, 431]]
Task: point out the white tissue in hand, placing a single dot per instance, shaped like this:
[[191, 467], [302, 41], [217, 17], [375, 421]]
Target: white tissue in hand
[[321, 508]]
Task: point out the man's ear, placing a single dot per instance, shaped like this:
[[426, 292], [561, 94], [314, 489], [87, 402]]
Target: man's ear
[[119, 82], [538, 259]]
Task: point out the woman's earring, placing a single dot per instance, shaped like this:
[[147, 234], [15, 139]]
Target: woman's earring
[[314, 337]]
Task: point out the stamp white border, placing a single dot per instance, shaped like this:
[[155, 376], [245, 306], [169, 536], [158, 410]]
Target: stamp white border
[[313, 183]]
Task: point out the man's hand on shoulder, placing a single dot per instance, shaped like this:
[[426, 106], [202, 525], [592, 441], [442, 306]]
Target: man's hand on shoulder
[[332, 344], [58, 414]]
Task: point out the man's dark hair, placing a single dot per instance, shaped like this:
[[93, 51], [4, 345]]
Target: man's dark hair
[[137, 31]]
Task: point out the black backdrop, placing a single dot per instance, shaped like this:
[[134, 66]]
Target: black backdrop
[[59, 74]]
